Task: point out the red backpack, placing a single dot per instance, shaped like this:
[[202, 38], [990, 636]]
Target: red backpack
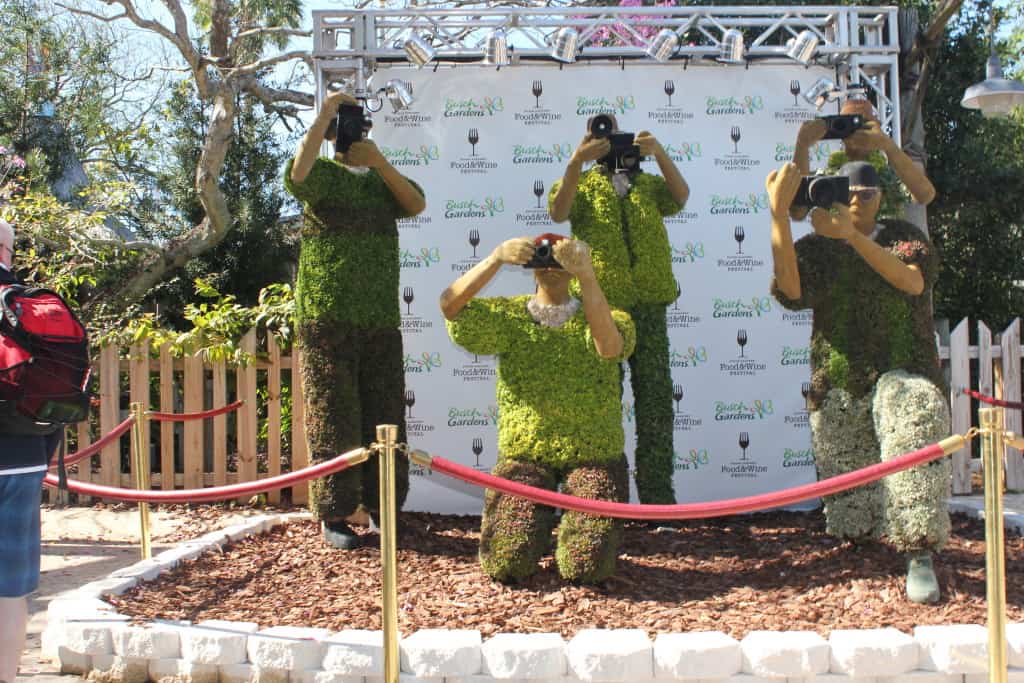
[[44, 360]]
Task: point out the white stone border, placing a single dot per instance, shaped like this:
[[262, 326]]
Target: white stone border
[[85, 634]]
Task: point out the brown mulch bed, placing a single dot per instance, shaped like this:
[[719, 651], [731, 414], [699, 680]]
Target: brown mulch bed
[[776, 571]]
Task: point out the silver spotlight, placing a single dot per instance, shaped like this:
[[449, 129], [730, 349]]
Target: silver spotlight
[[563, 47], [821, 93], [496, 49], [801, 48], [664, 45], [731, 48], [419, 51], [399, 94], [995, 96]]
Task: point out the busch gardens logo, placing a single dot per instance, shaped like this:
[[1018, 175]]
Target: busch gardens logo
[[819, 151], [685, 151], [803, 457], [404, 156], [427, 361], [473, 417], [539, 154], [589, 106], [689, 253], [739, 410], [470, 208], [738, 308], [694, 460], [693, 357], [426, 257], [470, 108], [795, 355], [734, 204], [718, 106]]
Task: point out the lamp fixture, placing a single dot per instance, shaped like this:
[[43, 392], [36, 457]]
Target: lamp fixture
[[822, 92], [399, 94], [664, 45], [419, 51], [732, 49], [564, 45], [995, 96], [496, 48], [801, 48]]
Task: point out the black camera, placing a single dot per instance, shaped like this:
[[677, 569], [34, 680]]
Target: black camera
[[543, 256], [823, 191], [624, 154], [351, 125], [841, 126]]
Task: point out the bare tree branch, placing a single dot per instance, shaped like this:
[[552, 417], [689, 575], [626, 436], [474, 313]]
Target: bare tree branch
[[261, 64], [86, 13], [271, 96], [273, 30], [926, 39]]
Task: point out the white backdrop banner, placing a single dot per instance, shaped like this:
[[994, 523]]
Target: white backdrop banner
[[487, 145]]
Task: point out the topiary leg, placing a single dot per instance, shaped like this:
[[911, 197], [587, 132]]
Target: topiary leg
[[652, 393], [910, 413], [381, 389], [843, 436], [515, 533], [588, 545], [332, 412]]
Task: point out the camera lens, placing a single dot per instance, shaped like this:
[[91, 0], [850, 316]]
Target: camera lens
[[630, 160], [543, 250], [601, 126], [821, 193]]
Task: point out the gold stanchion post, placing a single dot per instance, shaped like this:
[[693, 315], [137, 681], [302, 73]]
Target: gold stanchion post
[[387, 435], [141, 464], [992, 448]]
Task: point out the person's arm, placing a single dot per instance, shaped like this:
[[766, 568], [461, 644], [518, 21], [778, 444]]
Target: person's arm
[[365, 153], [309, 147], [590, 149], [574, 256], [677, 187], [782, 186], [871, 137], [514, 251], [903, 276]]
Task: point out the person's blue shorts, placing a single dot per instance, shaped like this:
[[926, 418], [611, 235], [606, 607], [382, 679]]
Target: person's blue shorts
[[20, 498]]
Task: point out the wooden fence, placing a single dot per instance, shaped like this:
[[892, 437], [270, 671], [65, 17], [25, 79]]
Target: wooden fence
[[993, 369], [198, 452]]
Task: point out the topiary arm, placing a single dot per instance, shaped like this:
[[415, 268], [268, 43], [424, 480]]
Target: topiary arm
[[815, 259], [316, 184], [626, 329], [485, 326]]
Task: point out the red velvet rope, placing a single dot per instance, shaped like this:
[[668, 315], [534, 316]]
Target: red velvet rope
[[183, 417], [716, 508], [994, 401], [336, 464], [92, 449]]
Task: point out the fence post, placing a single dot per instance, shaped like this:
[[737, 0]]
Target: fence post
[[193, 447], [166, 428], [1010, 343], [273, 414], [960, 403], [247, 415], [991, 422], [300, 452]]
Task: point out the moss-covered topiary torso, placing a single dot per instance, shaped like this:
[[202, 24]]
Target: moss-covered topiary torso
[[558, 400], [348, 261], [863, 326], [631, 252]]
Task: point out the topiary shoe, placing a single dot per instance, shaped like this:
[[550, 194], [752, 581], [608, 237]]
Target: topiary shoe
[[922, 586]]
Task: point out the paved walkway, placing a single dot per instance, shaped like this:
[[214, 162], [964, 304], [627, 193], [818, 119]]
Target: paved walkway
[[84, 544]]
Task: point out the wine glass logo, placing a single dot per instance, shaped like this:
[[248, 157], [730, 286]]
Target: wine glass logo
[[473, 138], [738, 234], [735, 135], [794, 90], [744, 442], [805, 391], [677, 395], [741, 339], [409, 399], [679, 293], [670, 87], [478, 448], [407, 297], [474, 240], [538, 190], [538, 89]]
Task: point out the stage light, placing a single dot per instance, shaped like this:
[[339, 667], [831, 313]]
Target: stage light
[[399, 94], [731, 49], [496, 49], [995, 96], [821, 93], [563, 47], [801, 48], [664, 45], [419, 51]]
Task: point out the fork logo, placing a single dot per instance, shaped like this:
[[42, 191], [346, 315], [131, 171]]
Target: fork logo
[[478, 448]]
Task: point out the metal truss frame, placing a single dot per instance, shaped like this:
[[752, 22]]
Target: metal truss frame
[[862, 44]]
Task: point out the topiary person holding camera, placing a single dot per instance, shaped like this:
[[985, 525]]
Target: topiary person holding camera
[[347, 308]]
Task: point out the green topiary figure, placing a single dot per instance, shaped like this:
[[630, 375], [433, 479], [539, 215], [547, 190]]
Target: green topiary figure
[[620, 214], [876, 388], [560, 419], [348, 313]]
